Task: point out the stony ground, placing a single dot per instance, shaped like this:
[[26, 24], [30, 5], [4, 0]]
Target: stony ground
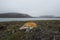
[[46, 30]]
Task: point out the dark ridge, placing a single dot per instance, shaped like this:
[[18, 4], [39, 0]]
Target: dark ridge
[[14, 15], [49, 16]]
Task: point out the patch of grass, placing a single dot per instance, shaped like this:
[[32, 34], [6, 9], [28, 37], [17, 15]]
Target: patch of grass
[[11, 31]]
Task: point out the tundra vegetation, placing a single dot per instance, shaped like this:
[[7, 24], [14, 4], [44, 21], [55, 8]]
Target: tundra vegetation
[[45, 30]]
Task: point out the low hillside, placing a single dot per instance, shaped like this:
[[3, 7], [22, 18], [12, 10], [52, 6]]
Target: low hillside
[[14, 15]]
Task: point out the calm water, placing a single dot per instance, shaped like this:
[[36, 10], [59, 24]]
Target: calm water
[[26, 19]]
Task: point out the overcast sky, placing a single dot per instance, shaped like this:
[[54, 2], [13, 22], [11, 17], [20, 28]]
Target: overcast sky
[[31, 7]]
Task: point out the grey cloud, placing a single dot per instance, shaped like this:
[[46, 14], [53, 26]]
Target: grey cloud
[[31, 7]]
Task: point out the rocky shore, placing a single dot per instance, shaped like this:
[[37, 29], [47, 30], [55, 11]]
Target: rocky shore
[[46, 30]]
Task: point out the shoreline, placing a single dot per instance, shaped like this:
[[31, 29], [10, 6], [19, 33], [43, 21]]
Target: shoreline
[[26, 19]]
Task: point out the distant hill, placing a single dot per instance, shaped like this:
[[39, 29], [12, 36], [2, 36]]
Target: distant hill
[[14, 15], [48, 16]]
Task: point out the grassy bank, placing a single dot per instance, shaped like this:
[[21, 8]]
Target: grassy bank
[[46, 29]]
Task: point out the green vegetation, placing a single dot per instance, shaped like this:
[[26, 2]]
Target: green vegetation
[[46, 29]]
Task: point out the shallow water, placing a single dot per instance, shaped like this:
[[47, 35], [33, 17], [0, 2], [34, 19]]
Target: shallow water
[[26, 19]]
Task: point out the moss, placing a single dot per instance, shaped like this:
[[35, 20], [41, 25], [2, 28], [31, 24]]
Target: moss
[[45, 26]]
